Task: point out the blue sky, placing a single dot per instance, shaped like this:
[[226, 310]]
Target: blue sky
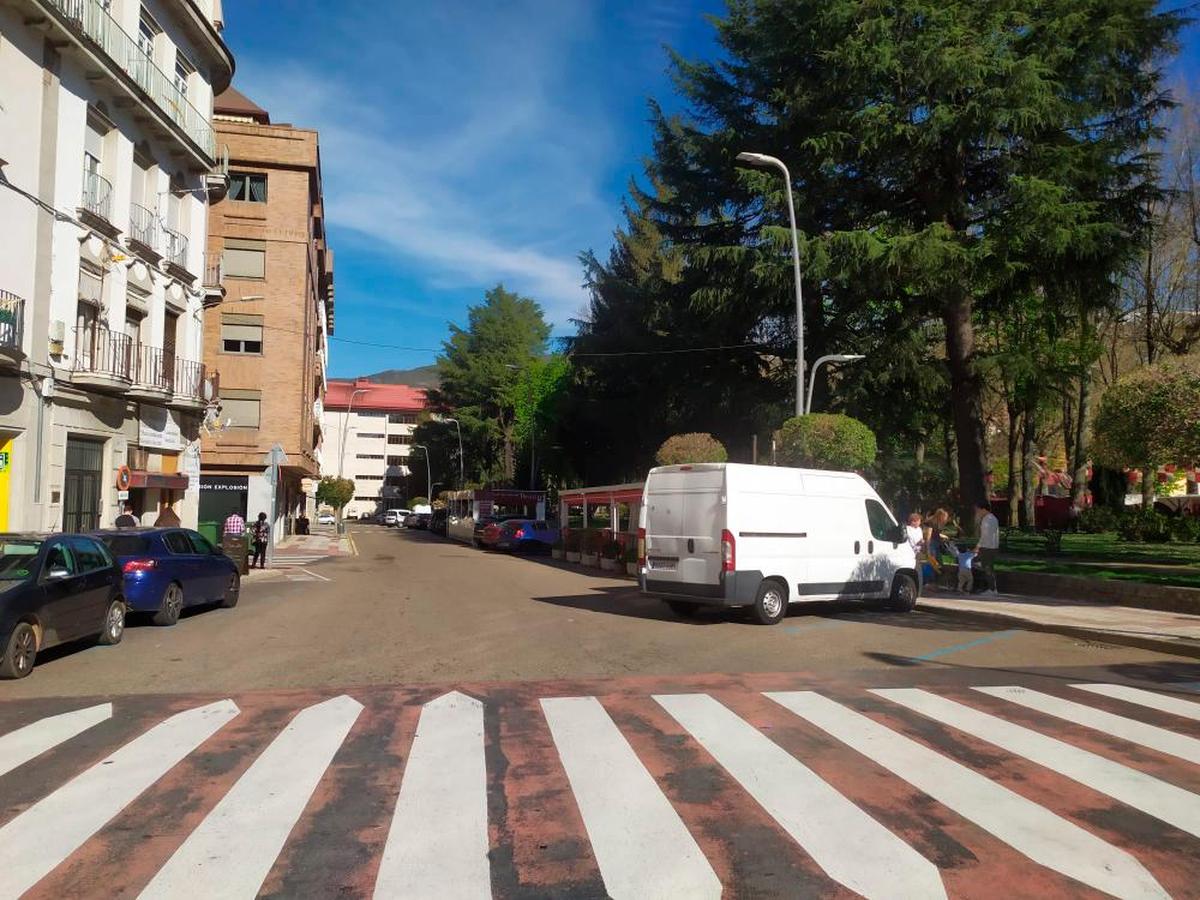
[[466, 143]]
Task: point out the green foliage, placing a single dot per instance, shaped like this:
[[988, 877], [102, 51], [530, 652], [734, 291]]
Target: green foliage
[[690, 448], [1150, 418], [1098, 520], [631, 553], [825, 441], [1186, 529], [335, 492], [592, 540], [418, 501], [1144, 527], [612, 550]]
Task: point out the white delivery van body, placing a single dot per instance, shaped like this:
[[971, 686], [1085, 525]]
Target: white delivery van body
[[764, 536]]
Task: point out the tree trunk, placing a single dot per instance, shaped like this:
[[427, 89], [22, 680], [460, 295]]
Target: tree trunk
[[1014, 472], [509, 463], [1029, 468], [965, 403], [1149, 474], [1083, 424], [1068, 424], [919, 455]]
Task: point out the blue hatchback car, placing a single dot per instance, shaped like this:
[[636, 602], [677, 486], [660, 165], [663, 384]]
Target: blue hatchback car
[[169, 569]]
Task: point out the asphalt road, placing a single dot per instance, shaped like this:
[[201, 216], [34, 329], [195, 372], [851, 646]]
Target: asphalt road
[[436, 721]]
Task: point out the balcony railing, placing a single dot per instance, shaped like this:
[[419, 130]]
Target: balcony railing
[[97, 194], [90, 19], [12, 319], [176, 247], [155, 369], [189, 379], [143, 226], [100, 351], [212, 270]]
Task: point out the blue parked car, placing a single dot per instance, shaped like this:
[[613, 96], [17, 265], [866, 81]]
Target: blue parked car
[[169, 569], [524, 536]]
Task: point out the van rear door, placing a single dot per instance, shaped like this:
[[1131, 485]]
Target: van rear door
[[685, 512]]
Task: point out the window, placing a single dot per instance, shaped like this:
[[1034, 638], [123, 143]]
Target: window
[[93, 145], [148, 32], [133, 326], [402, 418], [241, 407], [60, 557], [395, 460], [245, 258], [370, 434], [177, 542], [200, 543], [367, 499], [370, 414], [368, 478], [89, 556], [248, 186], [402, 439], [883, 526], [394, 481], [242, 334], [183, 72], [127, 544], [368, 456]]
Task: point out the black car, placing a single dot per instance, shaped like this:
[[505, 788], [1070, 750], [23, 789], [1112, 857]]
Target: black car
[[439, 521], [53, 590]]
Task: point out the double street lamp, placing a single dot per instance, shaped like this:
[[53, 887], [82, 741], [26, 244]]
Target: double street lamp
[[831, 358], [346, 422]]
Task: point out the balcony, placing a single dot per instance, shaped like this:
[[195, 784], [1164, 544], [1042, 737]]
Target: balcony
[[176, 247], [103, 359], [214, 289], [191, 388], [97, 195], [90, 21], [12, 328], [154, 375], [143, 230]]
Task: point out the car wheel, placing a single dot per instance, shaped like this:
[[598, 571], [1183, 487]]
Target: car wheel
[[114, 623], [232, 592], [19, 652], [683, 609], [904, 593], [770, 603], [171, 605]]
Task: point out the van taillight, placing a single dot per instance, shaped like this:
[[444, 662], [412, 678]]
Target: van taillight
[[728, 552], [138, 565], [641, 548]]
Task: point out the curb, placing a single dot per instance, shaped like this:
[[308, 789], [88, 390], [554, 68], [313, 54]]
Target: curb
[[1189, 649]]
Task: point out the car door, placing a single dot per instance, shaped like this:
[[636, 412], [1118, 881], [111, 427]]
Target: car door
[[95, 575], [184, 565], [61, 614], [211, 573]]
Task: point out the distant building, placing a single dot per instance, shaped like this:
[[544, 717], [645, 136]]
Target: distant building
[[376, 423], [269, 343], [109, 160]]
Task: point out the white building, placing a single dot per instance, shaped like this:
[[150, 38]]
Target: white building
[[108, 161], [368, 437]]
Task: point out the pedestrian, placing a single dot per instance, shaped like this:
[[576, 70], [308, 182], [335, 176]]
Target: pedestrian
[[126, 519], [167, 517], [988, 546], [916, 537], [234, 524], [935, 541], [260, 534], [966, 578]]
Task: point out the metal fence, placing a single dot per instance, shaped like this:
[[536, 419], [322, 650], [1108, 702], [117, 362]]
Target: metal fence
[[100, 351], [12, 319], [97, 194]]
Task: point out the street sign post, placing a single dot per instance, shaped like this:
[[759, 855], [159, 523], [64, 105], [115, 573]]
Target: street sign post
[[275, 458]]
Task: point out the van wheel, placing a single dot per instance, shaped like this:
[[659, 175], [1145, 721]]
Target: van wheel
[[904, 593], [770, 603], [683, 609]]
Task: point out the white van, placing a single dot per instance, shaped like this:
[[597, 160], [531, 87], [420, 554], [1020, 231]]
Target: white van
[[723, 534], [395, 517]]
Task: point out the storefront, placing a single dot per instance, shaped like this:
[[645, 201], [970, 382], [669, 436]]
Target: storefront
[[221, 495]]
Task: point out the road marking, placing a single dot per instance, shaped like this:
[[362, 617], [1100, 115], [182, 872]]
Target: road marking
[[437, 846], [40, 838], [20, 746], [955, 648], [1186, 708], [1028, 828], [1160, 739], [641, 845], [1141, 791], [315, 575], [851, 847], [231, 852]]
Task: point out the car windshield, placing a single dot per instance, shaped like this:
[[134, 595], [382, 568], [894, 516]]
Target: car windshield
[[16, 558]]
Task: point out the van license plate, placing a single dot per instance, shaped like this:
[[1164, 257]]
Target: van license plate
[[663, 563]]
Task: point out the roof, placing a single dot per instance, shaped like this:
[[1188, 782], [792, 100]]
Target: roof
[[368, 395], [232, 102]]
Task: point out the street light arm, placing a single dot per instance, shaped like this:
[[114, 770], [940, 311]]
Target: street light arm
[[830, 357]]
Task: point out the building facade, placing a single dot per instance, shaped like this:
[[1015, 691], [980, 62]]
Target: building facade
[[268, 345], [370, 428], [108, 161]]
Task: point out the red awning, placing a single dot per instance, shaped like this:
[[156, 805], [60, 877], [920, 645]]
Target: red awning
[[139, 478]]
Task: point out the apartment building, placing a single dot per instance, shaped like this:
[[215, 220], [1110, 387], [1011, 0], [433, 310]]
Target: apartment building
[[108, 160], [370, 428], [268, 344]]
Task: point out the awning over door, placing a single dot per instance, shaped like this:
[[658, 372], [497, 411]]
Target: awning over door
[[139, 478]]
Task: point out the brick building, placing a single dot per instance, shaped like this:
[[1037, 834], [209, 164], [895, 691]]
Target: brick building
[[269, 343]]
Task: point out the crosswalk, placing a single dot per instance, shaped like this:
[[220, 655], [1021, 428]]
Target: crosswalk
[[886, 792]]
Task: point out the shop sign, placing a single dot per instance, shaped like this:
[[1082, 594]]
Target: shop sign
[[189, 465], [223, 483], [159, 429]]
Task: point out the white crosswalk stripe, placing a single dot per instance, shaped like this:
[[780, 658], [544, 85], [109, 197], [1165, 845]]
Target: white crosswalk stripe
[[1028, 828], [641, 845], [1164, 801], [231, 852], [37, 840], [20, 746], [437, 846], [846, 842], [1160, 739], [1175, 705]]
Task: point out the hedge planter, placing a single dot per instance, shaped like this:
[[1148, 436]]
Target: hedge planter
[[610, 565], [556, 553], [572, 556], [591, 560], [631, 569]]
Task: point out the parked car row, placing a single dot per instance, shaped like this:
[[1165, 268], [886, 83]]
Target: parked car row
[[65, 587], [515, 534]]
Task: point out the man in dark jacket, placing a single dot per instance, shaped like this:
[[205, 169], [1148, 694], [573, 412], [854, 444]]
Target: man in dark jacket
[[260, 533]]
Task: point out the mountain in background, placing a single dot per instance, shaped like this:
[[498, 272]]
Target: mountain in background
[[423, 376]]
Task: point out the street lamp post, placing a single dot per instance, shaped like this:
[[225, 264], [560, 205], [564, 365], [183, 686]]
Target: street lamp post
[[428, 472], [345, 422], [831, 358], [761, 159], [461, 479]]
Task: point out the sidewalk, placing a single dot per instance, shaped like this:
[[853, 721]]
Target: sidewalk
[[1168, 632], [303, 549]]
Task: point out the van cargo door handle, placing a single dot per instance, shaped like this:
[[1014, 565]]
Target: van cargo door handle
[[857, 547], [870, 546]]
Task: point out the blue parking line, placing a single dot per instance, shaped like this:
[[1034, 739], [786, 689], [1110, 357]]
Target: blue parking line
[[987, 639], [821, 623]]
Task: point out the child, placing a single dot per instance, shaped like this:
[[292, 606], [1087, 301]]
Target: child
[[966, 559]]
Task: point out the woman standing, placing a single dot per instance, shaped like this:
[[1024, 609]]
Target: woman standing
[[260, 533]]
